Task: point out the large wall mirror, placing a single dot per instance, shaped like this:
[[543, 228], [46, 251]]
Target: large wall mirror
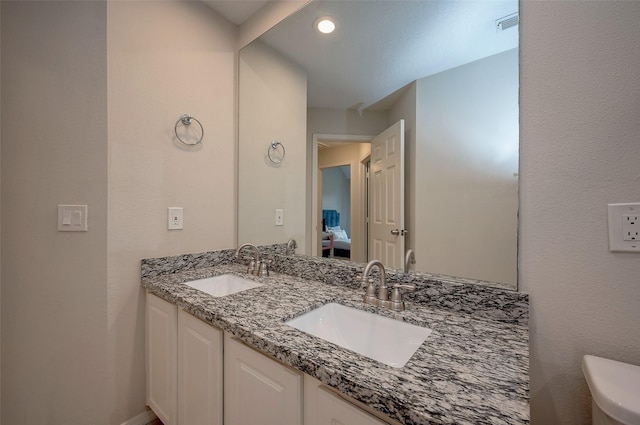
[[312, 104]]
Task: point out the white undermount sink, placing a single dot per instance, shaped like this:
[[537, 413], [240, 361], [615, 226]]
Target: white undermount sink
[[226, 284], [380, 338]]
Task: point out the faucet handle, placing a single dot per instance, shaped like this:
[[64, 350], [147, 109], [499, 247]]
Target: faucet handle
[[264, 268], [397, 304], [370, 296], [399, 286]]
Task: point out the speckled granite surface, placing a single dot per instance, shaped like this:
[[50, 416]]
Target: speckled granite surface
[[470, 370], [479, 298]]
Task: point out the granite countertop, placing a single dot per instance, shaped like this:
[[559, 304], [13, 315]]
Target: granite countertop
[[469, 370]]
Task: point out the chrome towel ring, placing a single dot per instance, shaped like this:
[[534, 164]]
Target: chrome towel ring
[[186, 121], [274, 147]]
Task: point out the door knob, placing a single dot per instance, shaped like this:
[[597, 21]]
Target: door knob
[[395, 232]]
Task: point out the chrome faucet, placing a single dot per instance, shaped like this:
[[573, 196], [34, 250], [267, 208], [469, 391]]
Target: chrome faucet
[[382, 299], [254, 264], [410, 258], [291, 247]]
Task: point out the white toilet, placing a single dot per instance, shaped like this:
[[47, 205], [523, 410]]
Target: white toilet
[[615, 390]]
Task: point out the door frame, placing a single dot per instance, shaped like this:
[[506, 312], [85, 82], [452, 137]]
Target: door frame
[[315, 223]]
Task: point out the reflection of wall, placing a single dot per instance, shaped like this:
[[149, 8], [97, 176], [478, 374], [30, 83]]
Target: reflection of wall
[[466, 153], [350, 154], [336, 194], [272, 97]]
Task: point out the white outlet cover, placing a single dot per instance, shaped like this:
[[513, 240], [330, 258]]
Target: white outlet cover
[[616, 225], [175, 218]]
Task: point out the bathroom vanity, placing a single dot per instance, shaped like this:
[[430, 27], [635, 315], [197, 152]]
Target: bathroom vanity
[[472, 368]]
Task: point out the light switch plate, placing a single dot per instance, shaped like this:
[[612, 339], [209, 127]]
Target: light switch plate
[[620, 219], [72, 218], [279, 217], [175, 218]]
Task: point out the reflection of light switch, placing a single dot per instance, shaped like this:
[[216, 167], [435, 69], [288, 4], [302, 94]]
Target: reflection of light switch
[[279, 217], [72, 218]]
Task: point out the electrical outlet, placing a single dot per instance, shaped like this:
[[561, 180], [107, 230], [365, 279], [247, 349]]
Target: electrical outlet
[[630, 227], [624, 227], [279, 217]]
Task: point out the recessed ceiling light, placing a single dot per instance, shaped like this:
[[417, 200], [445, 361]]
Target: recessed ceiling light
[[325, 24]]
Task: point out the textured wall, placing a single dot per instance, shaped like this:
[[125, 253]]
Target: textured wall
[[54, 151], [165, 59], [580, 146]]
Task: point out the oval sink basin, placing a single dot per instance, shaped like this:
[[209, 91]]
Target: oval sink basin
[[380, 338], [220, 286]]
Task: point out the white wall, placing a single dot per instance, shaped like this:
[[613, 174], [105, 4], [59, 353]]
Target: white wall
[[54, 151], [273, 99], [466, 184], [92, 91], [580, 147], [165, 59]]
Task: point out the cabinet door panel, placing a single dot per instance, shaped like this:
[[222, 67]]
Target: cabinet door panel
[[332, 410], [199, 372], [161, 323], [259, 390]]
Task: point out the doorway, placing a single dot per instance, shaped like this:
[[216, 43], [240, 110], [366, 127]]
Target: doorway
[[336, 211], [377, 213], [340, 151]]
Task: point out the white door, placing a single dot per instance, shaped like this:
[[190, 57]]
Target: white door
[[386, 197]]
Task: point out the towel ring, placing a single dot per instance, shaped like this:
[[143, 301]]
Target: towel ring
[[186, 121], [273, 147]]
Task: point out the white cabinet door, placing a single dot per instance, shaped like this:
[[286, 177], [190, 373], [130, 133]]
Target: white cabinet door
[[332, 410], [259, 390], [323, 406], [199, 372], [161, 322]]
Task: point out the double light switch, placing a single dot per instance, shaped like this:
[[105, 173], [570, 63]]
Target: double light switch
[[72, 218]]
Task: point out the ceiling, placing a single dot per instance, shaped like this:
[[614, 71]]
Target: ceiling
[[235, 11], [380, 46]]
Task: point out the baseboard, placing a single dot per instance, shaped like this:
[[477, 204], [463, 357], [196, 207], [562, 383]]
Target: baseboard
[[142, 419]]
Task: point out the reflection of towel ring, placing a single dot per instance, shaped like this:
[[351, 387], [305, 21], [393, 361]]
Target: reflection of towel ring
[[273, 147], [186, 120]]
